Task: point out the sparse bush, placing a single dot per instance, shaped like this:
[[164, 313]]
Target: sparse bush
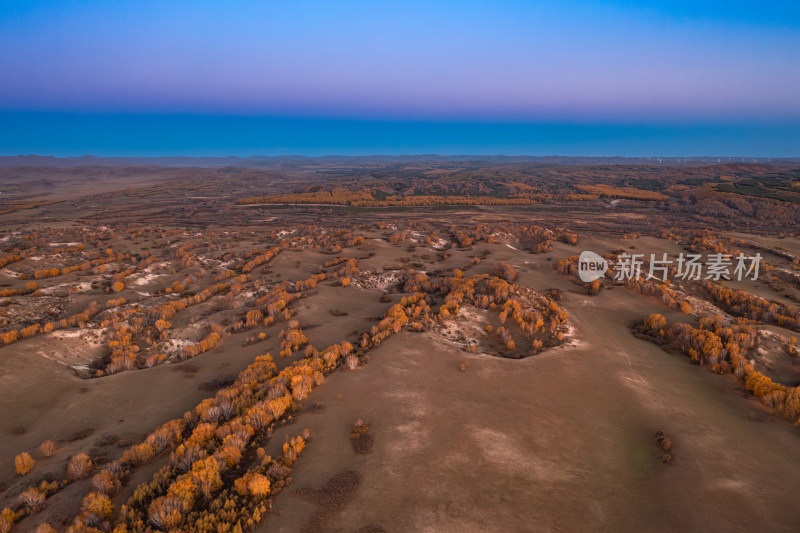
[[361, 440], [47, 448], [663, 441], [593, 287]]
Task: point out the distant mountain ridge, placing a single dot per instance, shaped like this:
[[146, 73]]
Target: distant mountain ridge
[[259, 161]]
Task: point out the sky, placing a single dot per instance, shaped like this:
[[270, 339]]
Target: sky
[[568, 77]]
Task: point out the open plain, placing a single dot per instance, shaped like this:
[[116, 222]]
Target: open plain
[[396, 344]]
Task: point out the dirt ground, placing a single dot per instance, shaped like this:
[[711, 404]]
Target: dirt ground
[[460, 437], [562, 441]]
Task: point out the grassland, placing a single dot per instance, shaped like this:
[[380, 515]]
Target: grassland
[[434, 365]]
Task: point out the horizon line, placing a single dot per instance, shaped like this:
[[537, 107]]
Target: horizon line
[[410, 154]]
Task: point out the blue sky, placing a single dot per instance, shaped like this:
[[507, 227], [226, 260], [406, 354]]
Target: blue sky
[[628, 78]]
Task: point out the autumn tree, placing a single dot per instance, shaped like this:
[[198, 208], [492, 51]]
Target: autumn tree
[[79, 466], [505, 271], [569, 238], [166, 512], [252, 484], [106, 482], [23, 463], [96, 507], [655, 323], [301, 386], [32, 498], [206, 476]]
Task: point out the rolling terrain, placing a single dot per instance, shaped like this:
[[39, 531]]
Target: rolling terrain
[[369, 344]]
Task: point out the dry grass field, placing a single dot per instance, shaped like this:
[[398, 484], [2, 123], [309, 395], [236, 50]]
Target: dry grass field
[[384, 346]]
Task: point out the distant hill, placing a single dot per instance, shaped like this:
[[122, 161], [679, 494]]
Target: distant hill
[[270, 161]]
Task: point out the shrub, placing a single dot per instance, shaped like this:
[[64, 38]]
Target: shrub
[[47, 448], [663, 441], [361, 440], [593, 287]]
